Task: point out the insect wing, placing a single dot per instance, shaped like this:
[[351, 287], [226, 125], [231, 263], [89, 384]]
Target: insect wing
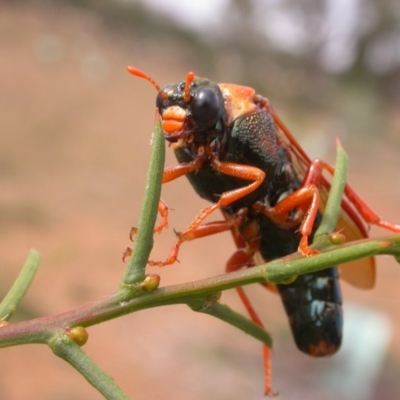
[[360, 273]]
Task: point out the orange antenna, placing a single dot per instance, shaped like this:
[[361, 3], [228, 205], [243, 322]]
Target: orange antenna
[[189, 80], [140, 74]]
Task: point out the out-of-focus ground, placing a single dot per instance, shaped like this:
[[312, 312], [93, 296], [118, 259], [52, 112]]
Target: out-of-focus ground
[[75, 134]]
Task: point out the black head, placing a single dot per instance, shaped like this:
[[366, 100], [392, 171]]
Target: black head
[[190, 107]]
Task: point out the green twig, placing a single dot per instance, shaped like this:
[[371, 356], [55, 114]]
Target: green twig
[[135, 270], [115, 305], [334, 202], [17, 291], [277, 271], [67, 349], [226, 314]]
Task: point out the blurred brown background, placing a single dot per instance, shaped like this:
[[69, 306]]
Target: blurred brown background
[[74, 146]]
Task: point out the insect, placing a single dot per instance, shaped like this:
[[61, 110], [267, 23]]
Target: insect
[[239, 155]]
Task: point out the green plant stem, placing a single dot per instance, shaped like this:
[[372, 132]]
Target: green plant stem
[[135, 270], [17, 291], [334, 202], [109, 307], [226, 314], [68, 350]]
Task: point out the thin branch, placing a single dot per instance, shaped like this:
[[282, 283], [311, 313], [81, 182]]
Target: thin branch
[[68, 350], [17, 291], [135, 270], [334, 202], [117, 304], [226, 314]]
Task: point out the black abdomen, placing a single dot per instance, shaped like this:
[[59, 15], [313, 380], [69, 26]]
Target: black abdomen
[[313, 305], [313, 302]]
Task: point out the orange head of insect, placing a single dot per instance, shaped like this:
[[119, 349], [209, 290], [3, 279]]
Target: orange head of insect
[[186, 107], [173, 116]]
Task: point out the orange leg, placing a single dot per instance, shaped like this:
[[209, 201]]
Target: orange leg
[[266, 351], [196, 229], [176, 171], [238, 171], [169, 174], [241, 258], [163, 211], [314, 176], [306, 200], [201, 230]]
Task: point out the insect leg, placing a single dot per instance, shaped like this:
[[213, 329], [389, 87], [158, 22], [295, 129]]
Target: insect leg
[[163, 211], [243, 257], [314, 176], [196, 229], [240, 171], [202, 230], [169, 174], [176, 171], [306, 200], [266, 350]]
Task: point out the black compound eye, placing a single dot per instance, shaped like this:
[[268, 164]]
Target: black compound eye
[[205, 106]]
